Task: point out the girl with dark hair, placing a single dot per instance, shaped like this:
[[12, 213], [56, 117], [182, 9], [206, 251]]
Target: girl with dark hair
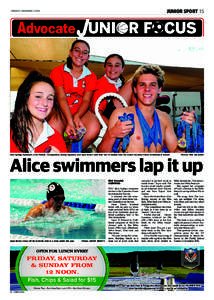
[[75, 84], [111, 82], [29, 130]]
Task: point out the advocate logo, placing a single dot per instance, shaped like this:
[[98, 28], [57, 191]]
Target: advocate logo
[[44, 27]]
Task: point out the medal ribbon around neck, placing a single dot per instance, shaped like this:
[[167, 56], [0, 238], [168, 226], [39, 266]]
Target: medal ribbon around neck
[[150, 135]]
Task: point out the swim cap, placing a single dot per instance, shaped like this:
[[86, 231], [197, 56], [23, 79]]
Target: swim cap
[[54, 189]]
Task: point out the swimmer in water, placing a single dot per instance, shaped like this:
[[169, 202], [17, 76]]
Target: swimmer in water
[[55, 199]]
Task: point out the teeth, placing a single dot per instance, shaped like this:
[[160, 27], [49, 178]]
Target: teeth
[[42, 109]]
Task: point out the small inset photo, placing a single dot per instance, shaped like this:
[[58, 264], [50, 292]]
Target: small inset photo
[[57, 209]]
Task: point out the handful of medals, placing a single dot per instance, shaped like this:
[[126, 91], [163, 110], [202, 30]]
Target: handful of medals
[[79, 134], [77, 140], [194, 142]]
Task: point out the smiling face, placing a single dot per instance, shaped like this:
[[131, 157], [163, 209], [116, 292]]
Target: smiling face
[[79, 54], [41, 100], [113, 68], [147, 89]]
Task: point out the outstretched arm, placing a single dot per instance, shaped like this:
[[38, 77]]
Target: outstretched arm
[[171, 140]]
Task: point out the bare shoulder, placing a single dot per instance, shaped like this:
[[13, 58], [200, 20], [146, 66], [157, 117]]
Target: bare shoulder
[[163, 116], [35, 211], [119, 112], [38, 208]]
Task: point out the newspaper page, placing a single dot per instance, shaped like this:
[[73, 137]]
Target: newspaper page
[[107, 164]]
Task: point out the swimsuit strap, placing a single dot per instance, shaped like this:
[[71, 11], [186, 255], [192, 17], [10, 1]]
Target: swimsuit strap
[[126, 139], [150, 135]]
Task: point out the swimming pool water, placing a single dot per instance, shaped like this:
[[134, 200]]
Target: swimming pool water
[[88, 191], [83, 225]]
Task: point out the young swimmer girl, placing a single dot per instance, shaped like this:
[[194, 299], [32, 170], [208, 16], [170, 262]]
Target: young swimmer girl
[[74, 84], [111, 82], [29, 130]]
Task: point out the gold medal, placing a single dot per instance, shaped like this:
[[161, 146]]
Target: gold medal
[[182, 143]]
